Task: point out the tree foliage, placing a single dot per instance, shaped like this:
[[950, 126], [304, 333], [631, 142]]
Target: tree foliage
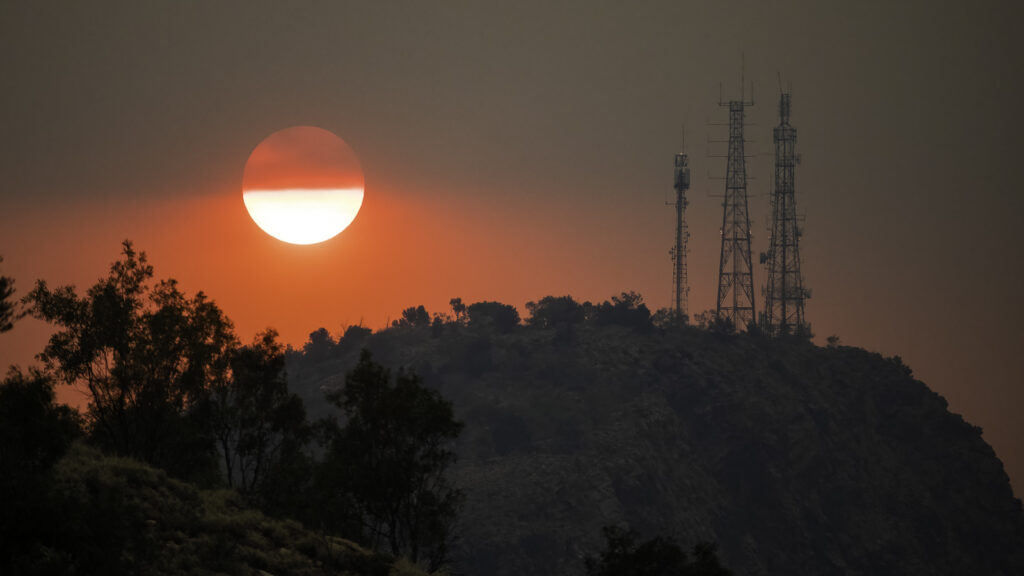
[[495, 315], [320, 344], [413, 317], [623, 556], [147, 355], [459, 309], [258, 423], [721, 325], [356, 333], [169, 384], [35, 432], [391, 457], [626, 309], [117, 516], [552, 311], [6, 303], [669, 319]]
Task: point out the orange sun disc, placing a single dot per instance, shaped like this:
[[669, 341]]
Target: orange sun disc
[[303, 185]]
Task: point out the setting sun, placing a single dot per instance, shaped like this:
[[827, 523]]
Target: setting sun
[[303, 185]]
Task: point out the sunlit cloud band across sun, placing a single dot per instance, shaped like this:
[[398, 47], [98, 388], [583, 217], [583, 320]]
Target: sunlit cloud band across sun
[[303, 216]]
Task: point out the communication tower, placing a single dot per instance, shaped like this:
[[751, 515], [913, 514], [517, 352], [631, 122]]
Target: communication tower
[[785, 292], [735, 273], [680, 287]]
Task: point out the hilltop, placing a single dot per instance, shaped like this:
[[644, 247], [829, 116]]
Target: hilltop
[[794, 458]]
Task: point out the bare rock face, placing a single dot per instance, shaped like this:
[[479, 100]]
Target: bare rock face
[[795, 459]]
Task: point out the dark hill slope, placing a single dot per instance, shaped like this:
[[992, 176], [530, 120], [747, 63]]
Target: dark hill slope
[[119, 516], [795, 459]]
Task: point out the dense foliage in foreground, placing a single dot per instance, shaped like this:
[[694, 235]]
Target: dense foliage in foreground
[[184, 406], [107, 515], [70, 509]]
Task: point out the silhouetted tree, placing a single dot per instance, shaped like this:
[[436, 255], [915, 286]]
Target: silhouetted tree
[[627, 309], [147, 355], [500, 317], [6, 303], [658, 556], [355, 334], [459, 309], [391, 457], [413, 316], [257, 422], [550, 311], [34, 430], [319, 345], [34, 433], [669, 319], [326, 504]]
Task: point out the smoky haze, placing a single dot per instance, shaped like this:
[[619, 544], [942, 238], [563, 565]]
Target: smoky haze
[[552, 129]]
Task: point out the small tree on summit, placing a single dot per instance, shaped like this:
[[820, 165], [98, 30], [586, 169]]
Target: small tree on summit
[[500, 317], [459, 309], [413, 316], [552, 311], [319, 345], [626, 309]]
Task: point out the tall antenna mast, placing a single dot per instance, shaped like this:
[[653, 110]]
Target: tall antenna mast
[[785, 292], [680, 287], [735, 273]]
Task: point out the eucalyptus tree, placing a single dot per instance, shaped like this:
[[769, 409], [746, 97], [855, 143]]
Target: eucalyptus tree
[[391, 459], [147, 355]]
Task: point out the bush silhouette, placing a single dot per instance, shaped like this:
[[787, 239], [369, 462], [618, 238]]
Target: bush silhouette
[[500, 317], [623, 556], [552, 311]]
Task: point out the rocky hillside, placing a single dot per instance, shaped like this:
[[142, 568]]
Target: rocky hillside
[[795, 459]]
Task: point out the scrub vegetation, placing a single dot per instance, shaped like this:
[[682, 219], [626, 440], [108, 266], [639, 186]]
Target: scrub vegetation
[[793, 458]]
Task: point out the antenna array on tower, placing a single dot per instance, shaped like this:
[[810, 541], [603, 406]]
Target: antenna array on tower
[[735, 272], [680, 287], [785, 292]]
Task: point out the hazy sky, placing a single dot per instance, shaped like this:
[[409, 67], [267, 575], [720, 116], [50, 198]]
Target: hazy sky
[[518, 151]]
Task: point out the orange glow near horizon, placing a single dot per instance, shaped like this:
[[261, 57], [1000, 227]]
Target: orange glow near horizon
[[303, 185], [404, 250], [409, 246]]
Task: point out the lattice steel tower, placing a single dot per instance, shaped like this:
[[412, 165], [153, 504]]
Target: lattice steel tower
[[735, 273], [784, 293], [680, 287]]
